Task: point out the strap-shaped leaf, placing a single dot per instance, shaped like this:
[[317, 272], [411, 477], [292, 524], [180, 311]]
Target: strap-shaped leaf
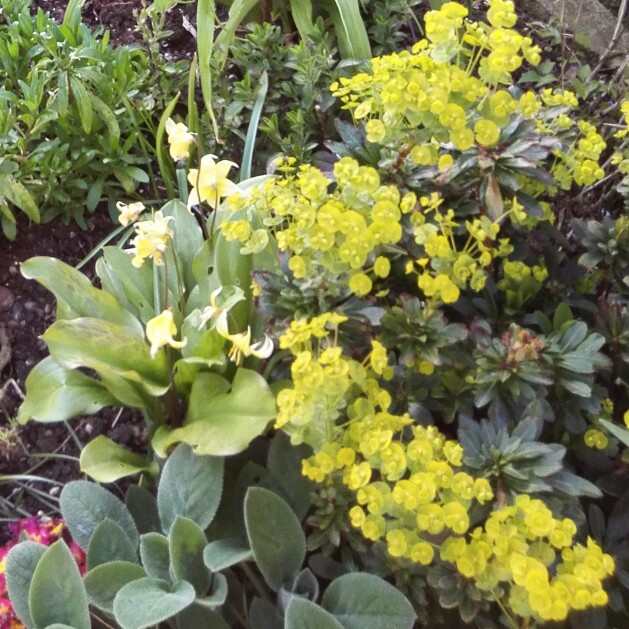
[[19, 196]]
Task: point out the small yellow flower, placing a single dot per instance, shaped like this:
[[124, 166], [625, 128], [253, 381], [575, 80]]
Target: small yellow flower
[[129, 213], [595, 439], [241, 343], [210, 182], [160, 331], [179, 139], [626, 418]]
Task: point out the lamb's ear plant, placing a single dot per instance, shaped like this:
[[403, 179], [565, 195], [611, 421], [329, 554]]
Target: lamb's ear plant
[[155, 560]]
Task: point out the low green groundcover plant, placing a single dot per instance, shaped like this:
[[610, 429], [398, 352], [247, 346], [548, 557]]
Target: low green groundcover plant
[[450, 370]]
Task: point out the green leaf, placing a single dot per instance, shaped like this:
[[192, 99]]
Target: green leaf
[[186, 542], [57, 594], [225, 553], [166, 167], [147, 602], [351, 34], [199, 616], [18, 195], [109, 543], [155, 554], [252, 130], [84, 505], [301, 12], [103, 582], [110, 349], [190, 486], [360, 600], [83, 103], [76, 297], [143, 508], [284, 463], [304, 614], [218, 595], [54, 393], [275, 535], [264, 615], [20, 567], [106, 461], [221, 422], [622, 434]]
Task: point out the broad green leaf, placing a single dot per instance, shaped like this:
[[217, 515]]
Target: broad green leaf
[[75, 295], [103, 582], [57, 594], [109, 543], [84, 505], [224, 553], [54, 393], [83, 103], [106, 461], [186, 542], [147, 602], [275, 535], [190, 486], [199, 616], [110, 349], [155, 554], [264, 615], [360, 600], [220, 421], [284, 462], [188, 239], [18, 195], [218, 594], [143, 508], [304, 614], [133, 287], [20, 567]]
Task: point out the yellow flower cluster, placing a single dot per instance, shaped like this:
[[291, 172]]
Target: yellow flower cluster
[[444, 270], [429, 88], [338, 233], [150, 239], [525, 547], [581, 164]]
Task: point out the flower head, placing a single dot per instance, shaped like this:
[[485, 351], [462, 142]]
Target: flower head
[[241, 343], [210, 182], [150, 239], [129, 213], [179, 139], [160, 331]]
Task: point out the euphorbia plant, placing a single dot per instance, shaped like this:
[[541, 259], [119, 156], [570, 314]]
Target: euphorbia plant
[[169, 332]]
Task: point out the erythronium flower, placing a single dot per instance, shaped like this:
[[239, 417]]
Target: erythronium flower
[[210, 183], [150, 240], [129, 213], [241, 343], [179, 139], [160, 331], [213, 310]]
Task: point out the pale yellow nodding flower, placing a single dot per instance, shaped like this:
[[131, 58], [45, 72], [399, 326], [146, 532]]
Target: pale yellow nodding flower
[[179, 138], [213, 310], [129, 213], [241, 343], [160, 331], [150, 239], [210, 182]]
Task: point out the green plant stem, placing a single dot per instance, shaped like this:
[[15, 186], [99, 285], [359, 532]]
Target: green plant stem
[[512, 620], [257, 585], [182, 184]]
